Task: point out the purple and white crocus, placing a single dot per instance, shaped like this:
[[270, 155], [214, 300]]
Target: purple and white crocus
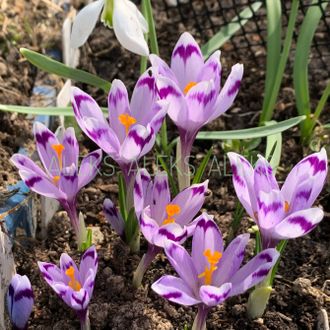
[[75, 286], [193, 89], [20, 301], [211, 274], [61, 177], [131, 128], [162, 219], [283, 213]]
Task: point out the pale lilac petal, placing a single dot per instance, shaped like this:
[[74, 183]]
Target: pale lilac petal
[[50, 272], [177, 109], [301, 198], [24, 163], [143, 98], [45, 139], [118, 104], [85, 22], [89, 261], [213, 296], [183, 264], [89, 168], [159, 111], [162, 68], [160, 197], [41, 185], [113, 217], [20, 301], [68, 182], [148, 226], [298, 224], [207, 236], [313, 166], [243, 174], [254, 271], [71, 148], [264, 178], [142, 191], [171, 232], [89, 282], [65, 263], [79, 299], [190, 201], [212, 70], [187, 60], [200, 102], [228, 92], [175, 289], [231, 260], [271, 209]]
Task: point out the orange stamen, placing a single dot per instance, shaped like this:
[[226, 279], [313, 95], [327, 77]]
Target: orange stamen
[[189, 86], [127, 121], [286, 207], [56, 179], [58, 148], [213, 259], [171, 210], [73, 283]]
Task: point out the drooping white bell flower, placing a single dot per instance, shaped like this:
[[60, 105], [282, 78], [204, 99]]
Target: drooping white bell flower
[[122, 15]]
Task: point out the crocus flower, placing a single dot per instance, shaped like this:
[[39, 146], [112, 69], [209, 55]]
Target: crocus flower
[[211, 275], [128, 24], [192, 87], [280, 213], [162, 219], [19, 301], [60, 178], [75, 286], [131, 129]]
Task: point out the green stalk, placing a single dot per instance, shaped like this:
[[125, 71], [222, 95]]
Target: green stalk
[[267, 112], [152, 29], [144, 59]]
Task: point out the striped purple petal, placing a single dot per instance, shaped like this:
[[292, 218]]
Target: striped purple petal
[[113, 217], [213, 296]]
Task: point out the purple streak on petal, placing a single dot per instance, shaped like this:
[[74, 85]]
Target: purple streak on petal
[[89, 254], [265, 256], [43, 138], [172, 295], [169, 235], [97, 134], [302, 222], [234, 88], [205, 224], [202, 97], [147, 81], [273, 207], [27, 293], [145, 177], [32, 181], [80, 98], [218, 297], [80, 301], [236, 177], [46, 275], [145, 224], [186, 52], [137, 189], [137, 139], [260, 273], [160, 186], [114, 98], [304, 194], [198, 190], [169, 90], [318, 166]]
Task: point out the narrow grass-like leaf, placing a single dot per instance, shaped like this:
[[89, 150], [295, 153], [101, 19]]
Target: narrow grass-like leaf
[[201, 169], [49, 111], [251, 133], [274, 32], [152, 29], [237, 218], [230, 29], [122, 197], [280, 248], [300, 67], [169, 174], [131, 226], [47, 64], [273, 147]]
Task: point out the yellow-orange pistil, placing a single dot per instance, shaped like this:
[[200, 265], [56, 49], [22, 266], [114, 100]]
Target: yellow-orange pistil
[[73, 283], [286, 206], [58, 148], [171, 211], [213, 259], [56, 178], [127, 121], [189, 86]]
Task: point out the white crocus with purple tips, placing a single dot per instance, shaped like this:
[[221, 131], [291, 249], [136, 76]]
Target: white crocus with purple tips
[[211, 274], [128, 24], [162, 219], [20, 301], [61, 178], [193, 88], [280, 213], [131, 129], [75, 286]]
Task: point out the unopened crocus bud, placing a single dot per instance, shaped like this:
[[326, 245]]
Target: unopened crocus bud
[[19, 301]]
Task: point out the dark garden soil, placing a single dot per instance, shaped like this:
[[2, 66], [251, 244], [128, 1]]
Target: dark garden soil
[[302, 287]]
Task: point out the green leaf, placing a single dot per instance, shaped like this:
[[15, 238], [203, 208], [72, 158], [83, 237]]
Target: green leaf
[[230, 29], [169, 174], [49, 111], [274, 147], [151, 24], [47, 64], [274, 31], [201, 169], [251, 133], [300, 67], [131, 226], [237, 218], [280, 248], [122, 197]]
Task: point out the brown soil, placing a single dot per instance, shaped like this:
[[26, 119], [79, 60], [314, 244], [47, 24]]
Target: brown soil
[[300, 290]]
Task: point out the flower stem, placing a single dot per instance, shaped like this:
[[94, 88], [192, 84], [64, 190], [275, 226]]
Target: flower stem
[[85, 323], [200, 319], [145, 262], [183, 151]]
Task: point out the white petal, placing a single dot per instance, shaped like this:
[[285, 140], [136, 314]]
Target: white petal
[[85, 22]]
